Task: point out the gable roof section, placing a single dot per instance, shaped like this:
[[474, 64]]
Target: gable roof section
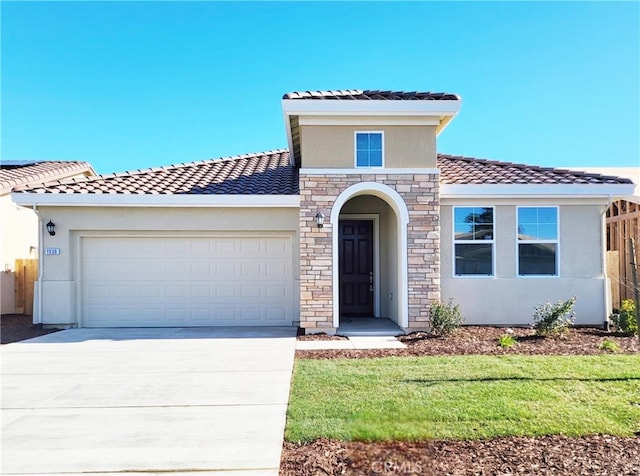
[[458, 170], [268, 173], [304, 108], [23, 175], [468, 178], [371, 95], [269, 177]]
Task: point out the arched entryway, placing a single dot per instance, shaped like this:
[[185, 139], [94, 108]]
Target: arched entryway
[[375, 216]]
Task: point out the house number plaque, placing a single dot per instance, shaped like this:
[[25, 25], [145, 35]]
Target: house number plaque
[[52, 251]]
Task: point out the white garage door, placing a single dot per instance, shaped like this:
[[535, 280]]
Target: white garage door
[[186, 281]]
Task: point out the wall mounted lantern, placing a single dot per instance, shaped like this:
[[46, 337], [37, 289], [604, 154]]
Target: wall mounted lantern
[[320, 219], [51, 228]]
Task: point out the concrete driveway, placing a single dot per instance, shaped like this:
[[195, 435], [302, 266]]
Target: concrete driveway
[[174, 400]]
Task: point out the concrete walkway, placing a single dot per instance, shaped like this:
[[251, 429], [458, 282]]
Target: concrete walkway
[[146, 401], [352, 343]]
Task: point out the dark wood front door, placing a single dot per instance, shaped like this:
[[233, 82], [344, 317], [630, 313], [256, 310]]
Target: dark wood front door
[[356, 268]]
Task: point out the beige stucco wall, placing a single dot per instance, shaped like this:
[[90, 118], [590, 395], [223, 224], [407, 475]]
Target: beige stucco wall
[[59, 272], [510, 300], [18, 233], [18, 240], [333, 146]]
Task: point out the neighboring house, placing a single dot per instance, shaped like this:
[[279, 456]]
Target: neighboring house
[[361, 217], [19, 230]]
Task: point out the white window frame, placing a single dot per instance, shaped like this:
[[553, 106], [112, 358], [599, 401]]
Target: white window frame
[[473, 242], [533, 242], [355, 150]]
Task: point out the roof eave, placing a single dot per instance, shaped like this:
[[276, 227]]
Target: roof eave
[[372, 107], [154, 200], [608, 191]]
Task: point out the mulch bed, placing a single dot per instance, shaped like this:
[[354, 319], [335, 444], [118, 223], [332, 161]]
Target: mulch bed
[[484, 340], [17, 327], [550, 455]]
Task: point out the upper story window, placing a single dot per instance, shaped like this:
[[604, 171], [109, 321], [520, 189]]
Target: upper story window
[[473, 241], [537, 241], [369, 149]]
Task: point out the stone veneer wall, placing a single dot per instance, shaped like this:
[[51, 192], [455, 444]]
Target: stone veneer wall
[[318, 193]]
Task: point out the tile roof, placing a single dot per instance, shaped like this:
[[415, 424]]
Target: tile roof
[[268, 173], [21, 174], [467, 170], [369, 95]]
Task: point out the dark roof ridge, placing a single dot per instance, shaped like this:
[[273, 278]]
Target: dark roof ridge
[[369, 95]]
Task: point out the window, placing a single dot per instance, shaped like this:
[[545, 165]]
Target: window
[[537, 241], [369, 147], [473, 241]]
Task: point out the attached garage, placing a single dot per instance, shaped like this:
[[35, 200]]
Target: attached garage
[[143, 281]]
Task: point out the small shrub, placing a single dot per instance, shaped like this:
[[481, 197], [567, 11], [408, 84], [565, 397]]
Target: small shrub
[[554, 319], [609, 346], [625, 319], [507, 340], [445, 318]]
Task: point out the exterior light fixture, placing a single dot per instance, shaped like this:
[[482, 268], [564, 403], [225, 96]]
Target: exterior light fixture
[[320, 219], [51, 228]]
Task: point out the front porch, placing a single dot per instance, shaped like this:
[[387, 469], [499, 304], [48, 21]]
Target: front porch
[[368, 326], [375, 255]]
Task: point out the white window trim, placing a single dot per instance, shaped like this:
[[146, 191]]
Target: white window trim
[[355, 150], [465, 242], [533, 242]]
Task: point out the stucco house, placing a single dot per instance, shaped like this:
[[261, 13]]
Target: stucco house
[[19, 230], [359, 217]]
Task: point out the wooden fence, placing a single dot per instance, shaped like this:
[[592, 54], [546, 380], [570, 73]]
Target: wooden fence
[[26, 271], [623, 222]]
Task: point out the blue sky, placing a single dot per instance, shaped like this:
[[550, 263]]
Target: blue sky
[[127, 85]]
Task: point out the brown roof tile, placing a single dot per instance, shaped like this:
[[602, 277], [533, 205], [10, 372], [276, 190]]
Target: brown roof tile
[[369, 95], [467, 170], [33, 173], [268, 173]]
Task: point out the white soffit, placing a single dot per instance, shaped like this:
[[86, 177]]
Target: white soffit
[[124, 200], [535, 190], [368, 171], [294, 107], [331, 120]]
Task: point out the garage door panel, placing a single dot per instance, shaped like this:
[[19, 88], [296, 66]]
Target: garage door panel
[[250, 246], [278, 248], [250, 314], [274, 269], [249, 270], [276, 291], [168, 281], [274, 314], [225, 247]]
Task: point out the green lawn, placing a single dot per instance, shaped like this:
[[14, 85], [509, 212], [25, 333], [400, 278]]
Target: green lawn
[[464, 397]]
